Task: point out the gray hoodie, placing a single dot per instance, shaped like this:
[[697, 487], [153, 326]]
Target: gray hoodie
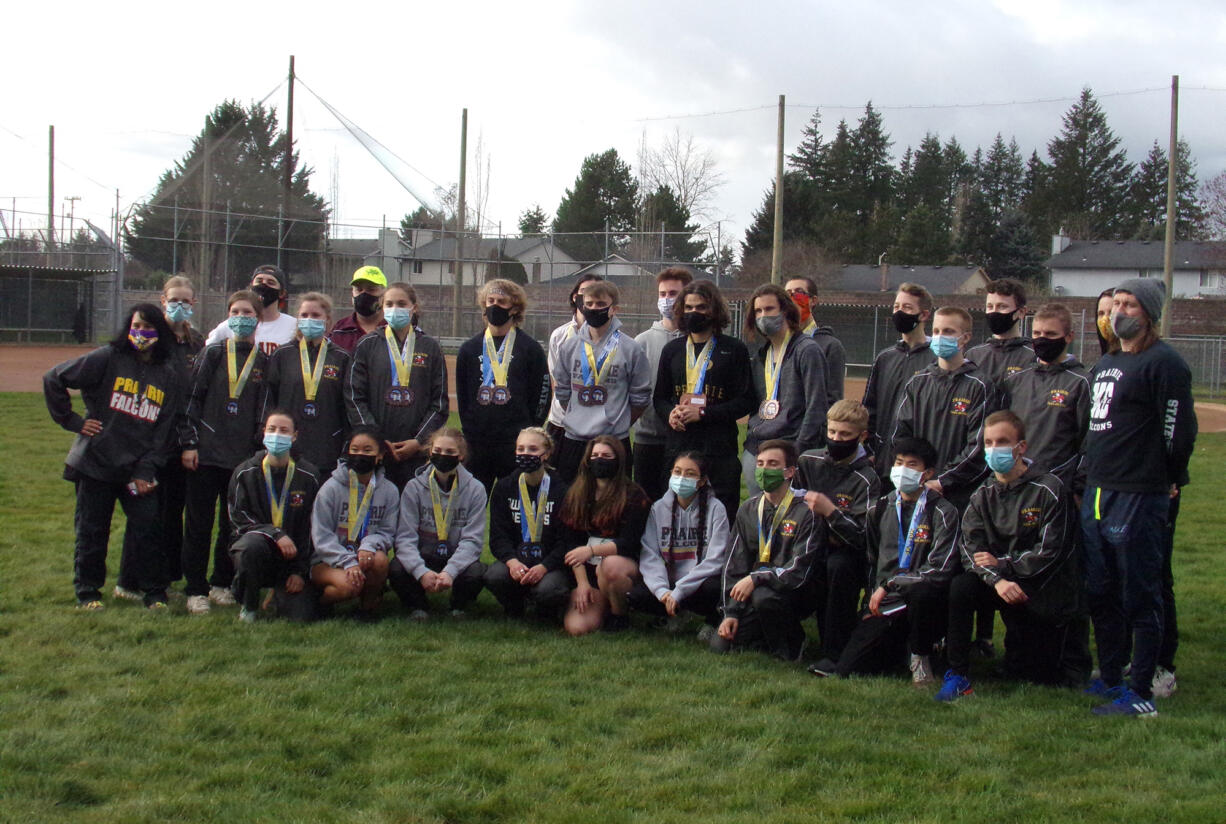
[[417, 534], [627, 385], [691, 564], [330, 519], [650, 429]]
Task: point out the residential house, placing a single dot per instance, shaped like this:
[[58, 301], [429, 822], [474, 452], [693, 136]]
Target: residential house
[[1084, 268]]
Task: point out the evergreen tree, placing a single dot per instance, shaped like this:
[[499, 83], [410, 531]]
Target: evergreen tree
[[423, 217], [605, 193], [1002, 177], [923, 238], [810, 156], [1147, 196], [796, 212], [533, 221], [870, 186], [1015, 252], [976, 229], [662, 210], [1089, 173]]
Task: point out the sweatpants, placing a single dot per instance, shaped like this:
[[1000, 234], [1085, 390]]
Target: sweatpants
[[258, 563], [846, 570], [651, 468], [464, 589], [569, 455], [206, 499], [547, 595], [171, 494], [1126, 544], [772, 622], [880, 643], [1170, 623], [704, 601], [490, 460], [95, 507]]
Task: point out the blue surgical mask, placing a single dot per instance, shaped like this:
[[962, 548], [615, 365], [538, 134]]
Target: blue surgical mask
[[398, 317], [944, 346], [277, 444], [683, 487], [999, 458], [906, 479], [311, 328], [242, 325], [177, 311]]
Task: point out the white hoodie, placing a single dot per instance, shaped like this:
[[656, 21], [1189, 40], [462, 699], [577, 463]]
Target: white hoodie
[[691, 564]]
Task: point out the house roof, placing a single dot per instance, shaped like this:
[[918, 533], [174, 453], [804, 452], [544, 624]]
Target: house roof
[[356, 247], [939, 280], [445, 248], [1133, 255], [698, 272]]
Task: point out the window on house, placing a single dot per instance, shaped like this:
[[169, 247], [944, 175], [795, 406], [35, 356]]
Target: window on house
[[536, 272], [417, 267]]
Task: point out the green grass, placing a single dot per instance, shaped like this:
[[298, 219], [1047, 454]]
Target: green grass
[[126, 716]]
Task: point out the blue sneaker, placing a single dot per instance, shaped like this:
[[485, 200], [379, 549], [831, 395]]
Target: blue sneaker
[[1128, 703], [955, 687], [1099, 689]]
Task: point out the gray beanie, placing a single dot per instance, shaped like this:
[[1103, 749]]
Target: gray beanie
[[1149, 292]]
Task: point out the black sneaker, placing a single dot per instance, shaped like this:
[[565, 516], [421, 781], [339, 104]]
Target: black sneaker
[[824, 668], [983, 648]]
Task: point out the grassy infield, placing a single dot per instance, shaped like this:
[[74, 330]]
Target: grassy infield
[[125, 716]]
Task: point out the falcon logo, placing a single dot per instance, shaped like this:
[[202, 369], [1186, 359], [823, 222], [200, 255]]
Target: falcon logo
[[297, 499], [842, 501], [923, 534], [1103, 392], [331, 372], [420, 359], [787, 529], [960, 406], [1057, 397], [1030, 517]]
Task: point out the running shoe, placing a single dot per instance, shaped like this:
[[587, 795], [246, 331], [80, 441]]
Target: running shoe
[[955, 686], [1128, 703]]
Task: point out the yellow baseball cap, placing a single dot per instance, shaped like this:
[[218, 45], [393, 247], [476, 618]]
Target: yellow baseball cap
[[372, 274]]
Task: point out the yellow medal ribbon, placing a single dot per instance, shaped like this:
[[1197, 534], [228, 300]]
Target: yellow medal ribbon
[[357, 512], [238, 380], [499, 360], [597, 376], [311, 377], [811, 327], [764, 538], [696, 366], [402, 357], [771, 367], [533, 517], [441, 519], [277, 505]]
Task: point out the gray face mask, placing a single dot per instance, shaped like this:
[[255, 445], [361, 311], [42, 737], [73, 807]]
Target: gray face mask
[[1125, 326], [770, 325]]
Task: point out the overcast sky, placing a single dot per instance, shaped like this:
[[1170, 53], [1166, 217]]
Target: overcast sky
[[548, 83]]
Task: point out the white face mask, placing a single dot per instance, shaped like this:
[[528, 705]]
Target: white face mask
[[906, 479], [665, 305]]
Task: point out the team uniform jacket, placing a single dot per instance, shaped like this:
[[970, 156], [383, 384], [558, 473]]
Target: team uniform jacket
[[527, 380], [370, 380], [650, 427], [892, 369], [347, 332], [506, 537], [947, 408], [1053, 400], [136, 403], [795, 548], [628, 385], [320, 436], [836, 363], [223, 439], [1142, 423], [268, 334], [330, 519], [417, 533], [998, 358], [682, 569], [935, 556], [852, 487], [802, 396], [727, 390], [251, 510], [1027, 523]]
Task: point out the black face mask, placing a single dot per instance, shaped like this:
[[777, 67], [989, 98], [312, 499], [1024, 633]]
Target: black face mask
[[497, 315], [1000, 322], [267, 293], [362, 464], [595, 318], [603, 468], [904, 322], [1048, 349], [528, 463], [840, 450], [696, 322], [444, 463], [366, 304]]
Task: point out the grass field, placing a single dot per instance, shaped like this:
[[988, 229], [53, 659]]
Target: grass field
[[124, 716]]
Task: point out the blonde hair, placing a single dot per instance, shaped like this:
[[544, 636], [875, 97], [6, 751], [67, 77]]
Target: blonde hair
[[539, 432], [960, 313], [519, 298], [453, 433], [316, 297], [849, 411], [178, 282], [922, 295]]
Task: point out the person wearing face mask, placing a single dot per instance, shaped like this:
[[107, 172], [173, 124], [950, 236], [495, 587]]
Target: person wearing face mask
[[225, 406], [1018, 557], [1007, 351], [703, 388], [1053, 398], [1102, 321], [274, 328], [353, 526], [651, 430], [557, 337], [501, 382], [600, 377], [368, 285], [788, 379], [307, 377], [912, 557], [893, 367], [441, 531], [803, 292], [768, 576], [270, 499], [840, 484], [527, 538], [1142, 432], [131, 388]]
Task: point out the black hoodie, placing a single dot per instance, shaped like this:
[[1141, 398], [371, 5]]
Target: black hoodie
[[225, 432], [1053, 400], [527, 382], [726, 388], [322, 426], [892, 368], [251, 509]]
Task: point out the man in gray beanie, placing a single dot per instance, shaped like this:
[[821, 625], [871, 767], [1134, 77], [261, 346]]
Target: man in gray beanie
[[1149, 292]]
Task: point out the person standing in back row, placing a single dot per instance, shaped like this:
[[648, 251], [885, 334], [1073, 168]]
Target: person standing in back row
[[274, 327], [651, 431], [367, 286], [1007, 351], [803, 292]]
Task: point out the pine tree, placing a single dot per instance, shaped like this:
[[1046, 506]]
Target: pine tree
[[533, 221], [1090, 173], [1015, 252], [663, 210], [810, 156], [1003, 176], [605, 193], [1147, 196], [976, 228]]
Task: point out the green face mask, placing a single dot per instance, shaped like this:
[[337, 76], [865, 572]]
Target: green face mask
[[768, 479]]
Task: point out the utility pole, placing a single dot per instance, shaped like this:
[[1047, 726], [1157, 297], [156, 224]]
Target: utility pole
[[288, 177], [72, 214], [50, 188], [206, 198], [1168, 246], [777, 245], [460, 222]]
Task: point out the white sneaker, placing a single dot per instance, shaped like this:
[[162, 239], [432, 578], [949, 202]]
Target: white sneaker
[[197, 605], [921, 671], [1164, 683], [127, 594], [247, 616], [419, 615], [222, 596]]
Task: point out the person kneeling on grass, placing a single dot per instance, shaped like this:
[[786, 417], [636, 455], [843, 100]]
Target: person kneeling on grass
[[684, 547], [441, 530], [1019, 556], [270, 500], [768, 577], [912, 552], [353, 526]]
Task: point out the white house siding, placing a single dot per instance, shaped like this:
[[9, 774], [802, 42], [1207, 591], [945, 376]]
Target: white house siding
[[1090, 282]]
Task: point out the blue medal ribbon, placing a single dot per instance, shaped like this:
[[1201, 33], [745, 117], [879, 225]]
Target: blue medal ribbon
[[906, 540]]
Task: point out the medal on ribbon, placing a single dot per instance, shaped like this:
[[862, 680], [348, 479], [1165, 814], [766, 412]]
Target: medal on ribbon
[[358, 517], [401, 356], [532, 518], [696, 372], [275, 504], [906, 539], [596, 369], [770, 374], [238, 380], [766, 536], [495, 364], [442, 519], [311, 377]]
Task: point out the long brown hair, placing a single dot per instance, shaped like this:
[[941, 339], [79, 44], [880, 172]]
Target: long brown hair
[[1147, 338], [585, 508], [790, 313]]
